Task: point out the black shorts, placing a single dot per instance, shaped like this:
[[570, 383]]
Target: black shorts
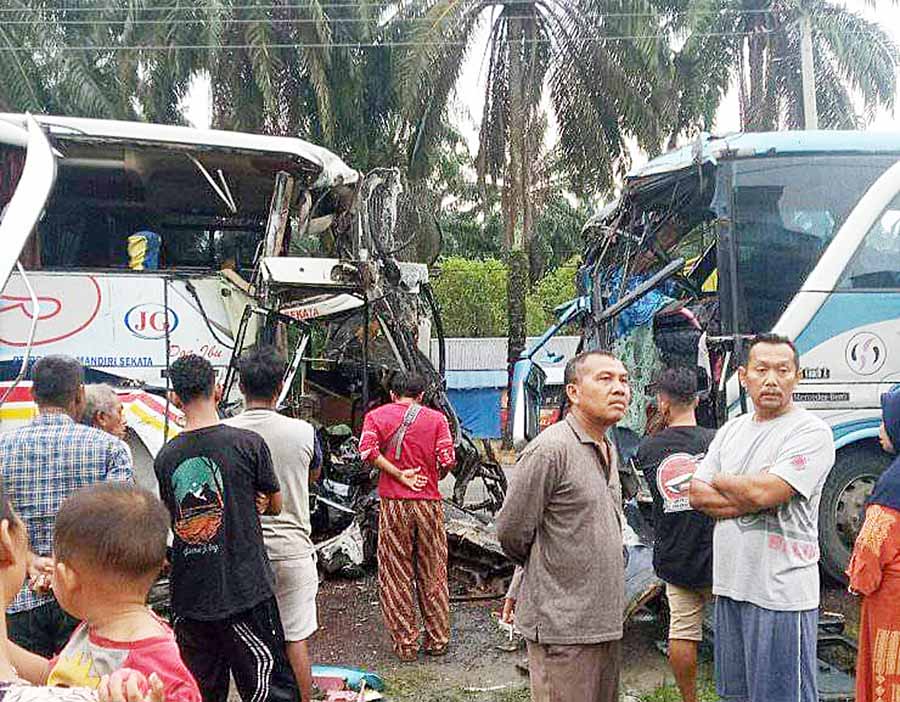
[[44, 630], [249, 645]]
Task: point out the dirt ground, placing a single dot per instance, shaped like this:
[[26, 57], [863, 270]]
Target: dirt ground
[[475, 670], [351, 633]]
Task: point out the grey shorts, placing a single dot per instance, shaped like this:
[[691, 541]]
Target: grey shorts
[[763, 655], [296, 585]]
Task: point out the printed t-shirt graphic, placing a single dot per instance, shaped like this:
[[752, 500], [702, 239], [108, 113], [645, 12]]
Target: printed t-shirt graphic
[[682, 553], [199, 493], [87, 657], [209, 479], [673, 478]]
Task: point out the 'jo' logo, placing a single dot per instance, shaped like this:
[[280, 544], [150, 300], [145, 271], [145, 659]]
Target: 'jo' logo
[[149, 321]]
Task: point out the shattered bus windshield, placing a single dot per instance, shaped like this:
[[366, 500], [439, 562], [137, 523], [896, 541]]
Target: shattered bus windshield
[[786, 212]]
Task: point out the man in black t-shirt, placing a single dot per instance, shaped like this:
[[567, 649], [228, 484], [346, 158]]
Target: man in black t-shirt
[[682, 552], [225, 616]]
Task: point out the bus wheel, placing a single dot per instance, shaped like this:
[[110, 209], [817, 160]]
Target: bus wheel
[[842, 509]]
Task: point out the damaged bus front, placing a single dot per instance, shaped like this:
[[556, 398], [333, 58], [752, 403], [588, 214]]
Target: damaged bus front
[[796, 233], [138, 243]]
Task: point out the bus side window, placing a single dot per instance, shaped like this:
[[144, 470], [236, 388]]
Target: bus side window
[[876, 263]]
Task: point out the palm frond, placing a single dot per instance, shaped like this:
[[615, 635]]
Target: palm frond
[[862, 55]]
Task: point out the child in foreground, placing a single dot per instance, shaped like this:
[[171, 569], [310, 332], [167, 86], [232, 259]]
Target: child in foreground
[[121, 686], [109, 545]]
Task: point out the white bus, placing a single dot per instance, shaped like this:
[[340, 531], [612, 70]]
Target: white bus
[[796, 233], [129, 244]]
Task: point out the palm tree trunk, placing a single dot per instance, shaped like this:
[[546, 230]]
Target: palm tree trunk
[[514, 197], [758, 82]]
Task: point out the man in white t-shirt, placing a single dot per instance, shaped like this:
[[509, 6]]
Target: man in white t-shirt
[[296, 458], [762, 480]]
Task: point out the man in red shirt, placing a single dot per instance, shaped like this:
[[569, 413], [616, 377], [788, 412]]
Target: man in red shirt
[[412, 447]]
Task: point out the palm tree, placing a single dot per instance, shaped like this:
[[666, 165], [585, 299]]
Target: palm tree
[[758, 42], [101, 60], [44, 75], [539, 52]]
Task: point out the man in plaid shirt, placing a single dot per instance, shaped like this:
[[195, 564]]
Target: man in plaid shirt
[[41, 465]]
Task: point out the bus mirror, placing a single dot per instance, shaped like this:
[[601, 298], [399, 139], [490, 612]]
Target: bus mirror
[[525, 401]]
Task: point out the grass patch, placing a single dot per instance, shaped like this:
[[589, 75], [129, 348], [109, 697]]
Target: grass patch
[[706, 692], [419, 684]]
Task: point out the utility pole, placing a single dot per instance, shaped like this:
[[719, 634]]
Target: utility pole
[[808, 75]]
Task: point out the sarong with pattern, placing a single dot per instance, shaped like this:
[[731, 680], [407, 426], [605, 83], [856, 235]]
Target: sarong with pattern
[[874, 572], [412, 564]]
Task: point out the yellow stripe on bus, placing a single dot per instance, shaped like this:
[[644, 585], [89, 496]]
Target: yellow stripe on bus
[[153, 421], [20, 413]]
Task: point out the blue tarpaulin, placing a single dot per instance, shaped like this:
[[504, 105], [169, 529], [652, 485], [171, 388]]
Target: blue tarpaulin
[[478, 410]]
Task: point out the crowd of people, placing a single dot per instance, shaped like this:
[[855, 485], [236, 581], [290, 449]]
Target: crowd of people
[[735, 515], [235, 496]]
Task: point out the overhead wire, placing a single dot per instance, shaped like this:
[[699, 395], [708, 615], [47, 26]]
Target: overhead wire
[[663, 36], [347, 20], [331, 4]]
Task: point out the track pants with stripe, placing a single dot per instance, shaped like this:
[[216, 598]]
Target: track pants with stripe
[[248, 645], [412, 564]]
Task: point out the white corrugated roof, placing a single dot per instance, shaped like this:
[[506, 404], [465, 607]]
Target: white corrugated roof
[[464, 354]]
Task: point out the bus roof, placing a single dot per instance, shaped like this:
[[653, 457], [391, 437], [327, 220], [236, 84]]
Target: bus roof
[[330, 169], [710, 149]]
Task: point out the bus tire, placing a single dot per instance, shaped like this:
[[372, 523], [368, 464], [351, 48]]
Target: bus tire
[[841, 512]]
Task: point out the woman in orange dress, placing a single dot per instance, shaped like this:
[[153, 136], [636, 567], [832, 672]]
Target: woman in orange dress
[[874, 572]]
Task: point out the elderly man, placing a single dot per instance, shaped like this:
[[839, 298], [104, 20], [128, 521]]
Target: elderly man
[[42, 464], [561, 522], [103, 410], [762, 479]]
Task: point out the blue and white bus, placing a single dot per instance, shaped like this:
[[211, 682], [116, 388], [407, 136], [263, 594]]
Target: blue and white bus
[[796, 233]]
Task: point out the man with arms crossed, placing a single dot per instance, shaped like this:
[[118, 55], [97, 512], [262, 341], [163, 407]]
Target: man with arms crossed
[[562, 522], [296, 459], [762, 479]]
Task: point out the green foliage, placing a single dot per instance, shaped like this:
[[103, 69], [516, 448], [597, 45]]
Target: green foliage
[[472, 297], [706, 692], [554, 289]]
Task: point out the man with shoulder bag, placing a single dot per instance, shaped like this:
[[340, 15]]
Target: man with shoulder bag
[[412, 447]]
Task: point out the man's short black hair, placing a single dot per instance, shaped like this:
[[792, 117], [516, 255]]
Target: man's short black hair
[[262, 371], [408, 384], [192, 377], [573, 367], [55, 380], [678, 383], [773, 339]]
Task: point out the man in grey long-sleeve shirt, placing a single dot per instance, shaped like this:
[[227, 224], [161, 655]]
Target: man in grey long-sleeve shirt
[[561, 522]]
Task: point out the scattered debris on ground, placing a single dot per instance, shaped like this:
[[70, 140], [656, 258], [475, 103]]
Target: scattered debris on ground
[[476, 669]]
